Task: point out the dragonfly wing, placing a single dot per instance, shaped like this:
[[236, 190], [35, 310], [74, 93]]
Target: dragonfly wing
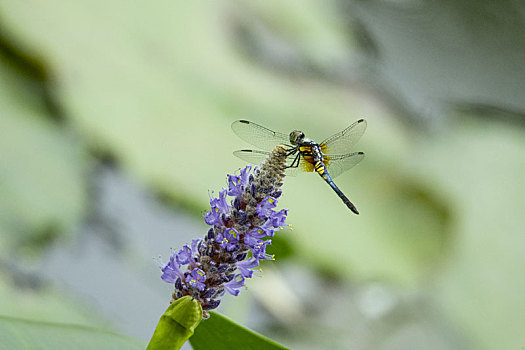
[[257, 157], [252, 156], [338, 164], [343, 141], [258, 135]]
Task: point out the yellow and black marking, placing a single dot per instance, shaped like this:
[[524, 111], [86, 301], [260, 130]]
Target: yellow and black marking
[[321, 169], [308, 161]]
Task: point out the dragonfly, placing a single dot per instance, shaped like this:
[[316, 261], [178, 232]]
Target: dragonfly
[[329, 158]]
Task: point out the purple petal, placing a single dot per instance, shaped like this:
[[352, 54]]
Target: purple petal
[[246, 266], [198, 274], [245, 173], [194, 244], [277, 219], [196, 278], [264, 208], [234, 185], [260, 232], [233, 286], [213, 217], [258, 247], [228, 239], [184, 255], [171, 271], [222, 203]]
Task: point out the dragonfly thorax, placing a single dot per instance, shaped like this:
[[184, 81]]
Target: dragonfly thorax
[[311, 151]]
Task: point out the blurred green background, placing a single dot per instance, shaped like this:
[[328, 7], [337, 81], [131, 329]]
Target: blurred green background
[[115, 126]]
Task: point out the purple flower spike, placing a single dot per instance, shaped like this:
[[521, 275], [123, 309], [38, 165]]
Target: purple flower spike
[[228, 239], [241, 218], [196, 278], [246, 266], [233, 286], [264, 209]]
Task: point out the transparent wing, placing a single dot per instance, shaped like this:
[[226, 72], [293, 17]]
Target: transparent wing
[[257, 157], [258, 135], [252, 156], [343, 141], [338, 164]]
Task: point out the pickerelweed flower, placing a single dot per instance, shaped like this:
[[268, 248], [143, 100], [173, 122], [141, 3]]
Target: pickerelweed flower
[[237, 240]]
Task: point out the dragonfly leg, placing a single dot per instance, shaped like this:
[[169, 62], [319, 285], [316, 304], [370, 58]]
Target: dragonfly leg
[[295, 162], [291, 151]]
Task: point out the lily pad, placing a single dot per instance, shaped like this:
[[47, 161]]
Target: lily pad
[[42, 167]]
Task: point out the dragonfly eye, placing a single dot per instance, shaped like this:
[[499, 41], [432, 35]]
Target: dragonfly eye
[[296, 137]]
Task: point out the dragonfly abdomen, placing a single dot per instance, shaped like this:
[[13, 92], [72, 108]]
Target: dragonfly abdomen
[[321, 170]]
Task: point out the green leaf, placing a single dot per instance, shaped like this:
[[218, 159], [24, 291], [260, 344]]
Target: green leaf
[[219, 332], [177, 324], [21, 334]]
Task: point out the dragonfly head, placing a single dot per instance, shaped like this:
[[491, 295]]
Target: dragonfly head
[[296, 137]]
